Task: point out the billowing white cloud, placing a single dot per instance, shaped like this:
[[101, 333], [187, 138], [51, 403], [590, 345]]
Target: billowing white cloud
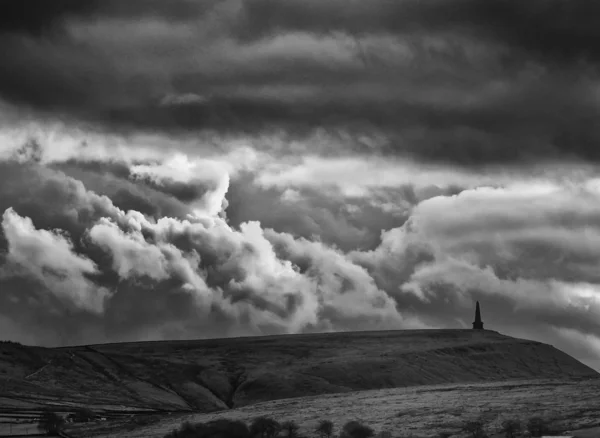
[[263, 280], [132, 255], [49, 257], [345, 288]]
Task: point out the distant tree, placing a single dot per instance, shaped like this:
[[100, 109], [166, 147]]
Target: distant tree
[[511, 428], [537, 426], [290, 428], [354, 429], [83, 415], [213, 429], [475, 429], [264, 427], [325, 429], [11, 343], [226, 429], [50, 422]]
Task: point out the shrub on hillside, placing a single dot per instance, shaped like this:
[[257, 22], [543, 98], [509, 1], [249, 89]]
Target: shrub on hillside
[[213, 429], [83, 415], [511, 428], [537, 426], [290, 429], [324, 429], [226, 429], [50, 422], [475, 429], [264, 427], [354, 429]]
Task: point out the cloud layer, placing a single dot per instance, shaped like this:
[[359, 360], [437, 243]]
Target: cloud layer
[[447, 81], [218, 250], [92, 257]]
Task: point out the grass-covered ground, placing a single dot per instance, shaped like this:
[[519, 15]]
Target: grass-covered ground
[[422, 411]]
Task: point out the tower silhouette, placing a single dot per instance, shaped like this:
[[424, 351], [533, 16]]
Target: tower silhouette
[[478, 324]]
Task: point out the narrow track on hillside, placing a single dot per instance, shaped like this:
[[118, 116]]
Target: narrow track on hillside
[[39, 371]]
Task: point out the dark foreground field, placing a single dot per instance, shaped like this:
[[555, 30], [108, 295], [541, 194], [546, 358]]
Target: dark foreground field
[[179, 377]]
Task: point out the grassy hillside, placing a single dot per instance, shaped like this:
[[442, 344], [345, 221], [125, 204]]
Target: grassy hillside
[[210, 375]]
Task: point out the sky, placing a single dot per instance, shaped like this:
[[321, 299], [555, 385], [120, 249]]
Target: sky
[[214, 168]]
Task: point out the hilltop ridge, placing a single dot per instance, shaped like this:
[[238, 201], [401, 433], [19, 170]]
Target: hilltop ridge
[[216, 374]]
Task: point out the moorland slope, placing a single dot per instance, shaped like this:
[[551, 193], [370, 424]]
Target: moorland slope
[[210, 375], [420, 411]]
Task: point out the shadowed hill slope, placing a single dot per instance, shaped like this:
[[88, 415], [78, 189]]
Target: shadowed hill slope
[[209, 375]]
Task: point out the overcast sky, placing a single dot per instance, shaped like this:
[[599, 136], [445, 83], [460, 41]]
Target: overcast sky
[[209, 168]]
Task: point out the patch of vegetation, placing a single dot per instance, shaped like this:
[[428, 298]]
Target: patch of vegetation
[[537, 426], [290, 429], [51, 422], [212, 429], [11, 343], [82, 415], [355, 429], [475, 429], [511, 428], [325, 429], [265, 427]]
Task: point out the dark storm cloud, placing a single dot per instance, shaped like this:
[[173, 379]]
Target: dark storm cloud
[[37, 17], [561, 28], [557, 29], [42, 18], [462, 81]]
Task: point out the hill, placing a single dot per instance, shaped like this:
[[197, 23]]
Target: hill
[[217, 374]]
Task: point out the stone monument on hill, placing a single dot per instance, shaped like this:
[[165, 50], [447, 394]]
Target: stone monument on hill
[[478, 324]]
